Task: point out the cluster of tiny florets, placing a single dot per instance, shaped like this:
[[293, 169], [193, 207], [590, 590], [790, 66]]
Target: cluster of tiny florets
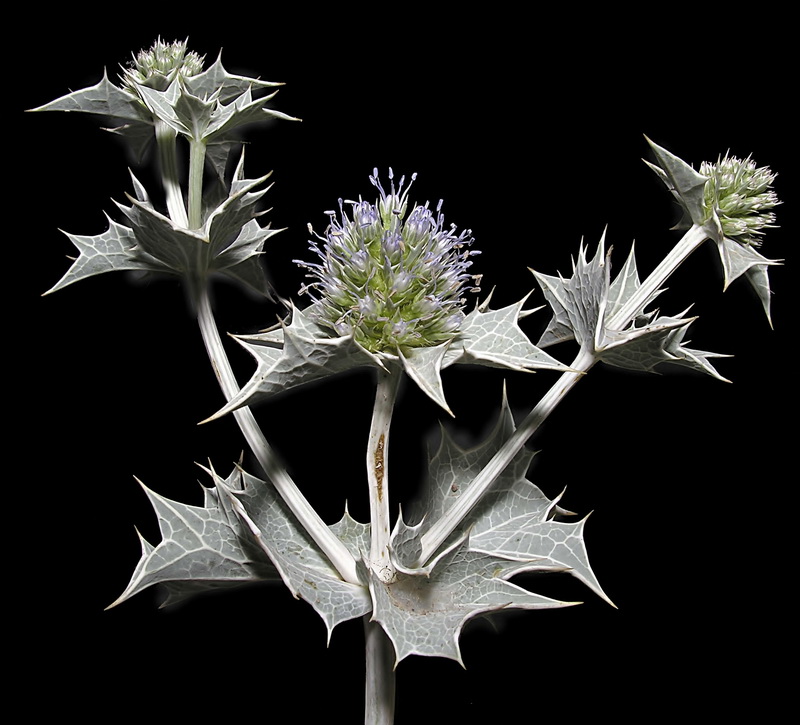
[[159, 66], [393, 279], [740, 193]]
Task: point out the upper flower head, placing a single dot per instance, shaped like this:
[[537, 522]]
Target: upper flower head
[[160, 65], [740, 195], [393, 279]]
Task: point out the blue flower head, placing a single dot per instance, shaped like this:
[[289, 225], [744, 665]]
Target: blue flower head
[[395, 279]]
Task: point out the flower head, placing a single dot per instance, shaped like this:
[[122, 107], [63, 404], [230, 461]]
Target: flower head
[[391, 277], [160, 65], [740, 195]]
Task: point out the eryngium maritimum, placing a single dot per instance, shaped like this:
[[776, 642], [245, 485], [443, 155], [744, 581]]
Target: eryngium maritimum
[[740, 194], [392, 279]]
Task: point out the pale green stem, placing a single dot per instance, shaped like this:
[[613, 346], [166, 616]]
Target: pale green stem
[[445, 526], [687, 244], [330, 544], [377, 473], [166, 139], [380, 685], [441, 529], [197, 158]]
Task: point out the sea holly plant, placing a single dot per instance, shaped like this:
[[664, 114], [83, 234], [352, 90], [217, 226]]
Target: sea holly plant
[[391, 286]]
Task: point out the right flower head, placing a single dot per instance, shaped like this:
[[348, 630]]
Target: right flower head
[[740, 194]]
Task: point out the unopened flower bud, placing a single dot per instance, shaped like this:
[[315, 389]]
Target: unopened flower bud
[[740, 195], [160, 65]]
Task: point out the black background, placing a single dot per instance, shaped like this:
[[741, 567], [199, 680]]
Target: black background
[[532, 135]]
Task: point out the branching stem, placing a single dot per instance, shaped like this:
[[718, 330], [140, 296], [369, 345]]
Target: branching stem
[[442, 528], [680, 252], [331, 545]]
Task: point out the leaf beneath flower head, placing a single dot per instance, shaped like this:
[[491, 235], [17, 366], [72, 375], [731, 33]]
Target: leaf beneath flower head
[[299, 353], [495, 339], [424, 366], [686, 185], [216, 80], [742, 259], [103, 99]]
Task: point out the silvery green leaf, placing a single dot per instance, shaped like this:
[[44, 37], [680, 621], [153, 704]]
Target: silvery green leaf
[[206, 118], [624, 286], [305, 353], [424, 614], [656, 342], [353, 534], [241, 260], [514, 519], [223, 226], [216, 80], [230, 242], [304, 568], [451, 469], [495, 339], [113, 250], [161, 105], [242, 111], [578, 303], [742, 259], [424, 366], [176, 247], [686, 185], [195, 114], [103, 99], [202, 547]]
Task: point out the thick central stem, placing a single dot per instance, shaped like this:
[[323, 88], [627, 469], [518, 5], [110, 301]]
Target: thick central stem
[[377, 473], [380, 682]]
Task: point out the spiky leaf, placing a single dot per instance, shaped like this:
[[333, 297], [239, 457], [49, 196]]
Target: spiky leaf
[[229, 243], [686, 185], [304, 351], [424, 614], [202, 547], [113, 250], [652, 343], [304, 568], [495, 339], [104, 99], [578, 303], [513, 520]]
